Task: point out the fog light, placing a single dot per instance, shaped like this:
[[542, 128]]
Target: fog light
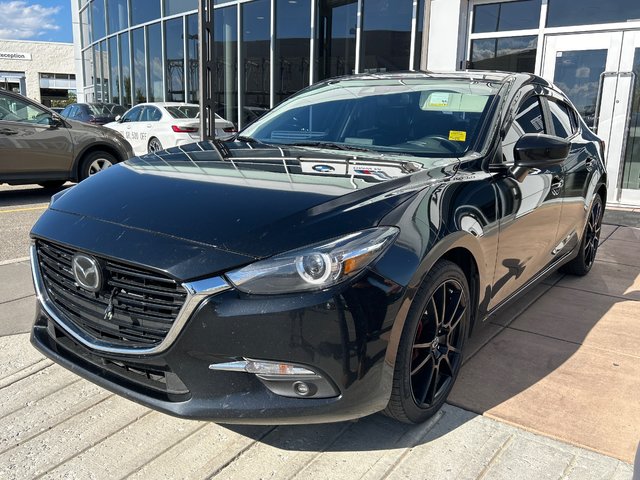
[[301, 389]]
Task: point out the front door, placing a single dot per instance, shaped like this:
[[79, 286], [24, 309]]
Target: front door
[[599, 73]]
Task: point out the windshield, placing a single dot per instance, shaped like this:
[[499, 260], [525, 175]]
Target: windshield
[[183, 111], [424, 117]]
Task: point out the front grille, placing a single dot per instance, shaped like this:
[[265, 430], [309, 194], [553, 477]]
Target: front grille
[[145, 304]]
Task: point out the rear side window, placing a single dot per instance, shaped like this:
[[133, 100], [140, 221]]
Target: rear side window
[[563, 124], [150, 114]]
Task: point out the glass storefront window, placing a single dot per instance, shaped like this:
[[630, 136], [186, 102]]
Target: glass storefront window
[[631, 168], [256, 36], [512, 54], [98, 69], [173, 7], [293, 29], [174, 48], [87, 63], [337, 38], [565, 13], [386, 35], [97, 20], [193, 64], [113, 70], [104, 60], [419, 30], [143, 11], [84, 28], [577, 74], [125, 59], [139, 66], [505, 16], [154, 48], [226, 57], [118, 15]]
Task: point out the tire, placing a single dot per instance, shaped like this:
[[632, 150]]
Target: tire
[[154, 145], [427, 363], [52, 184], [581, 265], [95, 162]]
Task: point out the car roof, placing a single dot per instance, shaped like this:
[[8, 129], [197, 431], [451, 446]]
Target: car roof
[[472, 75], [168, 104]]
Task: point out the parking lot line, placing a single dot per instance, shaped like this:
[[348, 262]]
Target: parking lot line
[[24, 209]]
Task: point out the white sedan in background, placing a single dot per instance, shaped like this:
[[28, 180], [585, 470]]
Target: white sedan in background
[[151, 127]]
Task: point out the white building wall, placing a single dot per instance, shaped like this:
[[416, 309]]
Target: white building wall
[[447, 34], [46, 57]]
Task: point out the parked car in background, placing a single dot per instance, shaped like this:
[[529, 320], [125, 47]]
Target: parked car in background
[[58, 110], [151, 127], [329, 262], [93, 113], [39, 146]]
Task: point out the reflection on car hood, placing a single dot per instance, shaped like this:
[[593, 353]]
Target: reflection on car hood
[[251, 199]]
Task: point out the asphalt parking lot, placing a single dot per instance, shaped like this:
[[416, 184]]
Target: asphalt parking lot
[[549, 390]]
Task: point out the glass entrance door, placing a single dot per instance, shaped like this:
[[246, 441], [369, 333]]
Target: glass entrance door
[[599, 72]]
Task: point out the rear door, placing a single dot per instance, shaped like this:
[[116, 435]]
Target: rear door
[[30, 147], [580, 166], [530, 209]]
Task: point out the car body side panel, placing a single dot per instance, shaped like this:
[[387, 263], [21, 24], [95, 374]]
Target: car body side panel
[[29, 148]]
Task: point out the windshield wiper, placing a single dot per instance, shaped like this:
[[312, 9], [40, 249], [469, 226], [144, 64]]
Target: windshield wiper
[[330, 145]]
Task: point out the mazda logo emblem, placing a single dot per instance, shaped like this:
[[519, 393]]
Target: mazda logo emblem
[[86, 272]]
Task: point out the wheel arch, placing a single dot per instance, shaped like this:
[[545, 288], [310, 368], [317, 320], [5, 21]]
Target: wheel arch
[[94, 147], [461, 248]]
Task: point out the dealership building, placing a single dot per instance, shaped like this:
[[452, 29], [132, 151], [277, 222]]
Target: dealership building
[[43, 71], [255, 53]]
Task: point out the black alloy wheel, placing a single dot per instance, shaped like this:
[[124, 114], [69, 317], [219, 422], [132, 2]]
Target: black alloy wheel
[[430, 350], [581, 265], [437, 347]]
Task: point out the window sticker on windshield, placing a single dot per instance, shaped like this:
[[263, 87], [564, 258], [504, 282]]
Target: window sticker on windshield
[[457, 136], [439, 99]]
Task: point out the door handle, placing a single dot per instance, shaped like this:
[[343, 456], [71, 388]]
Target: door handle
[[7, 131]]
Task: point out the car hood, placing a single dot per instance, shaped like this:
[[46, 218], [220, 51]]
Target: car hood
[[249, 201]]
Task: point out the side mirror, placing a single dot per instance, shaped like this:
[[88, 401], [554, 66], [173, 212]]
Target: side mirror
[[55, 121], [118, 118], [537, 150]]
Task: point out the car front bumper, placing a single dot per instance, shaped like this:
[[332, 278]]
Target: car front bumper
[[341, 333]]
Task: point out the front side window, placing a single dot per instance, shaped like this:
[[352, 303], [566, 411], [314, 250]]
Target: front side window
[[529, 119], [132, 115], [17, 110], [433, 117]]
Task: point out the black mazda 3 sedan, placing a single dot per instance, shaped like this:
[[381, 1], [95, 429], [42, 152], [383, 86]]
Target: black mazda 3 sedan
[[331, 260]]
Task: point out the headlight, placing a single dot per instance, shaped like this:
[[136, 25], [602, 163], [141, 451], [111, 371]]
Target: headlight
[[315, 267]]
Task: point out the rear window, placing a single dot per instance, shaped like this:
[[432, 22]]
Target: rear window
[[183, 111], [99, 109]]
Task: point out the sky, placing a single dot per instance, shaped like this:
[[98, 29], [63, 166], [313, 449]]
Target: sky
[[42, 20]]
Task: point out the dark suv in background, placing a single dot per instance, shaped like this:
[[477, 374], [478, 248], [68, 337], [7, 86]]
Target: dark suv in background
[[38, 146], [94, 113]]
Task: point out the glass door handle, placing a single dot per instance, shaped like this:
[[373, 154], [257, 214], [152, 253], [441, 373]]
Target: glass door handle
[[596, 119]]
